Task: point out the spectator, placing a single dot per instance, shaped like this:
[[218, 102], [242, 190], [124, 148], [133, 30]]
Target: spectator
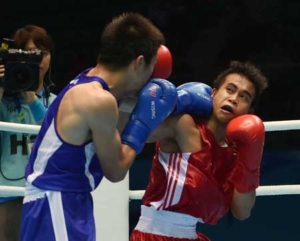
[[26, 107]]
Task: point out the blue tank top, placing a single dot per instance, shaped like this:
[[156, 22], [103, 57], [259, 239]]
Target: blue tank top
[[60, 166]]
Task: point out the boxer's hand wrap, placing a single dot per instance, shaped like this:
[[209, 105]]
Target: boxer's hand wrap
[[164, 63], [194, 98], [156, 101], [248, 134]]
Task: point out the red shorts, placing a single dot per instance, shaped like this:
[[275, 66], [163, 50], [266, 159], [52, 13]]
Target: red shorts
[[136, 235]]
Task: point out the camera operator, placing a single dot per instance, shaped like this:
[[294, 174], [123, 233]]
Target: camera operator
[[24, 106]]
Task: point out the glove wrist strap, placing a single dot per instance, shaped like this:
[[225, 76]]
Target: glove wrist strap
[[135, 135]]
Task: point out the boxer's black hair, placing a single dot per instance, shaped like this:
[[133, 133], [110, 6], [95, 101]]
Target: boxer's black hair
[[126, 37], [249, 71]]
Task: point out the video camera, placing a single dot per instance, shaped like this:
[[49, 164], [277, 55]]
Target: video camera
[[21, 67]]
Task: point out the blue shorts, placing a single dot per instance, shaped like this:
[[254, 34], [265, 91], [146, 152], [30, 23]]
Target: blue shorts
[[57, 216]]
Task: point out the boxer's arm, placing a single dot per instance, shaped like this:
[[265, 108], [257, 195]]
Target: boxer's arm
[[123, 119], [164, 131], [194, 98], [155, 103], [242, 204], [126, 107], [178, 134], [247, 132], [115, 158]]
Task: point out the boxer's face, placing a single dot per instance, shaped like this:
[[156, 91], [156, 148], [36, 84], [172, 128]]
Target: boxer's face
[[141, 74], [147, 70], [233, 98]]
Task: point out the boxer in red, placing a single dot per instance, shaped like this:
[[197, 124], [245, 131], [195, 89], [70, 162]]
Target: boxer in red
[[205, 166]]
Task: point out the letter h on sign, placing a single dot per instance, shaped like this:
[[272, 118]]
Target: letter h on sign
[[14, 143]]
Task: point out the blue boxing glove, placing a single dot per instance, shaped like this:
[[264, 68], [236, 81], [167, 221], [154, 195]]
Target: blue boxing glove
[[194, 98], [155, 103]]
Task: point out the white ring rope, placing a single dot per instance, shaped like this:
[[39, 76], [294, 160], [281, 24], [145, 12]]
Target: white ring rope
[[269, 125], [260, 191], [8, 191], [20, 128], [138, 194], [282, 125]]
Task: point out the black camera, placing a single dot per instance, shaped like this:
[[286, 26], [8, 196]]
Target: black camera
[[21, 67]]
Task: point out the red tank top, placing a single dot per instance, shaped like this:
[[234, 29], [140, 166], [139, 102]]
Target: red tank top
[[193, 183]]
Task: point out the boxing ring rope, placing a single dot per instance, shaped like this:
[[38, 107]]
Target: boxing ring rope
[[111, 199], [260, 191], [138, 194], [34, 129], [282, 125], [20, 128]]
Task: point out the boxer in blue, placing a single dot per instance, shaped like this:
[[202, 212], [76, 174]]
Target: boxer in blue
[[79, 142]]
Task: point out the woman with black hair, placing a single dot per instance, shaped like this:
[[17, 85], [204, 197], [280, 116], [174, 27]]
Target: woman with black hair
[[21, 106]]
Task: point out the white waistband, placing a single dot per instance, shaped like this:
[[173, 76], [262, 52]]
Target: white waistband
[[167, 223]]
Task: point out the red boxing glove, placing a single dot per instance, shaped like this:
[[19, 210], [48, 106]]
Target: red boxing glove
[[163, 66], [248, 134]]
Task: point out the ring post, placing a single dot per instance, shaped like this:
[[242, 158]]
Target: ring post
[[111, 210]]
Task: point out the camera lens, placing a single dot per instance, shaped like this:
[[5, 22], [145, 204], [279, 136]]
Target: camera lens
[[20, 75]]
